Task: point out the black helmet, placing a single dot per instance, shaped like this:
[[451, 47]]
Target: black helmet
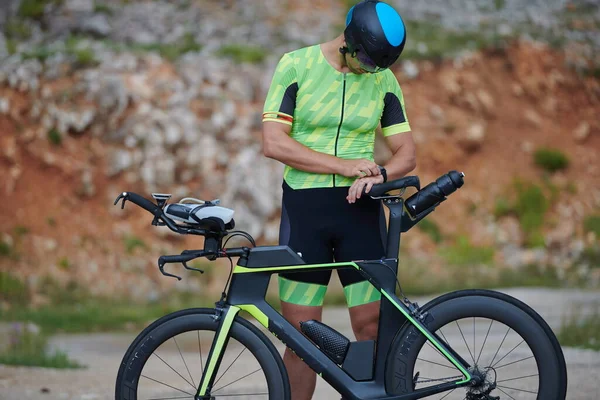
[[375, 33]]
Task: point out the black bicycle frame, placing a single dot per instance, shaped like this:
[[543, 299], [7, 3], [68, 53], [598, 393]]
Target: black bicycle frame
[[248, 289]]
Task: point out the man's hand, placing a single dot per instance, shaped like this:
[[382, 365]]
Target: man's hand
[[358, 168], [357, 187]]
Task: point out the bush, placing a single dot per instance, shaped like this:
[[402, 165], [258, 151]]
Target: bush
[[133, 242], [17, 29], [29, 348], [102, 9], [530, 207], [172, 51], [464, 253], [430, 228], [550, 160], [12, 290], [581, 332], [35, 8], [55, 137], [503, 207], [243, 54], [592, 224]]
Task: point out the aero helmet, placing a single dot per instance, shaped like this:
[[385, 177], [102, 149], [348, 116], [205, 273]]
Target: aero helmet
[[375, 34]]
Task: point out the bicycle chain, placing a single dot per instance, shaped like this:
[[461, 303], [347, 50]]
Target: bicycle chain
[[441, 379]]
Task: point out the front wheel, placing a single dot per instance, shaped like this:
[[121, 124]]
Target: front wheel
[[504, 341], [167, 359]]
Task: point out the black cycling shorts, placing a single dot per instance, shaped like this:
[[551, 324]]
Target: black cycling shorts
[[325, 228]]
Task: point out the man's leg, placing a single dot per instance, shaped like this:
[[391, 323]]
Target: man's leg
[[365, 320], [302, 379]]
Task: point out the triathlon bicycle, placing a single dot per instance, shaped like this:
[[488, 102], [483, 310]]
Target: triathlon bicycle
[[437, 350]]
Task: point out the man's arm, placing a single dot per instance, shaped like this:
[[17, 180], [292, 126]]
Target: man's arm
[[278, 144], [402, 161]]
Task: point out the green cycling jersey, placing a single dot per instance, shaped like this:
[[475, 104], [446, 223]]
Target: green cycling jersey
[[332, 112]]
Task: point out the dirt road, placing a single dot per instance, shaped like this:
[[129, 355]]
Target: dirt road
[[102, 354]]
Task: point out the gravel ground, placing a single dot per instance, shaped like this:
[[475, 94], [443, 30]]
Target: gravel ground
[[102, 354]]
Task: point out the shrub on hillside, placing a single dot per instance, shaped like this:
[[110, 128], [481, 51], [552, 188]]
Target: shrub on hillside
[[550, 160]]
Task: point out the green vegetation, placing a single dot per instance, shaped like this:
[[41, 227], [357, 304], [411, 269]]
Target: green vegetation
[[132, 242], [550, 160], [51, 221], [503, 207], [432, 230], [463, 253], [11, 46], [102, 9], [499, 4], [17, 29], [529, 206], [5, 249], [21, 230], [35, 8], [243, 54], [54, 137], [592, 224], [581, 332], [430, 40], [72, 308], [84, 56], [31, 349], [12, 290], [417, 279], [590, 256], [64, 264], [170, 51]]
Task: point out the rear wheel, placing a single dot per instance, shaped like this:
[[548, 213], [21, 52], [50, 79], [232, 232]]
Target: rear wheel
[[506, 343], [167, 359]]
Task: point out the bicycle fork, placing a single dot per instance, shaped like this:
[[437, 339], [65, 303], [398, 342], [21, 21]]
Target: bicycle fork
[[225, 316]]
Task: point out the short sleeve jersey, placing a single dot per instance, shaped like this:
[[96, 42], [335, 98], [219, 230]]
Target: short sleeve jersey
[[332, 112]]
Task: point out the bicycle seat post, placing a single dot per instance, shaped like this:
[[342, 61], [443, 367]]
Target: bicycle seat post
[[396, 206]]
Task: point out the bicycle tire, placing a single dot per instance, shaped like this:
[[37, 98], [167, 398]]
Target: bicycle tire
[[200, 319], [400, 365]]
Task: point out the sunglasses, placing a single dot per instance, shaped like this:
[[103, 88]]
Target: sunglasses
[[365, 61]]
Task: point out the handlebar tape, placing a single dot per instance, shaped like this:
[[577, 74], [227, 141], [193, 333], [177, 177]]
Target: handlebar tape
[[142, 202]]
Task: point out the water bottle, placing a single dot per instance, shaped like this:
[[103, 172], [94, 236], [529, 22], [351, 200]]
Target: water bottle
[[434, 193]]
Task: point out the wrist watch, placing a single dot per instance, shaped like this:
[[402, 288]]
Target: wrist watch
[[383, 173]]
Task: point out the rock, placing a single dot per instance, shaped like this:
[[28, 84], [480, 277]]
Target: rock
[[487, 102], [3, 49], [96, 26], [410, 69], [473, 138], [582, 132], [119, 161], [82, 6], [241, 87], [86, 188], [517, 90], [508, 231], [224, 115], [9, 148], [4, 105], [533, 118], [561, 236], [505, 30], [437, 113], [527, 146]]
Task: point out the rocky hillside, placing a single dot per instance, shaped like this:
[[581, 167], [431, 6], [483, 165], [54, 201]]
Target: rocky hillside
[[101, 97]]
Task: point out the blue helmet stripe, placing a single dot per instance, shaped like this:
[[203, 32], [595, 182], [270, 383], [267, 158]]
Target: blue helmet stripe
[[349, 16], [391, 23]]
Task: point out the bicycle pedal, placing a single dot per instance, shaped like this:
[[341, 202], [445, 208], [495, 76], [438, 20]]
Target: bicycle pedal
[[331, 342]]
